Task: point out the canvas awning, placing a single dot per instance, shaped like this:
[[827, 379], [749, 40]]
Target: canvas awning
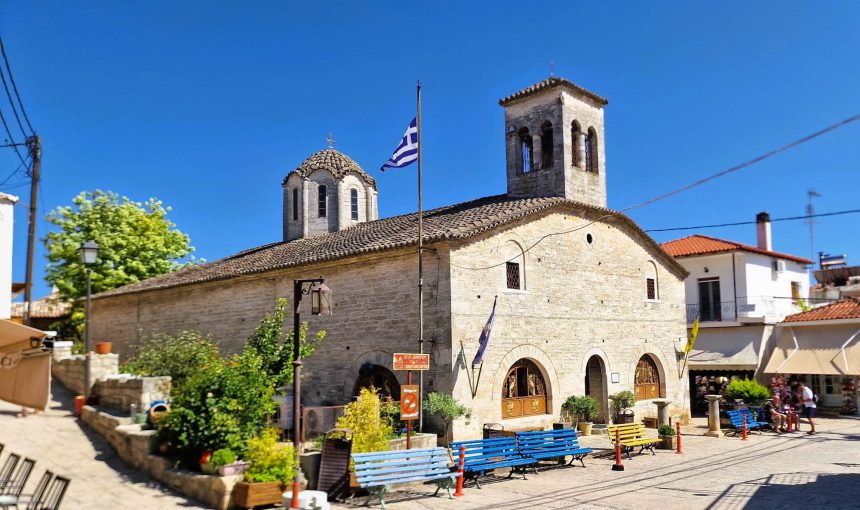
[[821, 350], [25, 369], [734, 348]]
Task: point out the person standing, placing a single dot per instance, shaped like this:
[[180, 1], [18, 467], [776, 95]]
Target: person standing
[[808, 400]]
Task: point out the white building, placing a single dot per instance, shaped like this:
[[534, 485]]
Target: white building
[[739, 292], [7, 206]]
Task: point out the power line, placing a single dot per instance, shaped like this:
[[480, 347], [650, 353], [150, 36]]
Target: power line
[[676, 191], [11, 138], [7, 179], [789, 218], [12, 103], [15, 87]]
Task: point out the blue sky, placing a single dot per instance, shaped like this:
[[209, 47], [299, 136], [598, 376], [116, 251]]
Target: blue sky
[[208, 105]]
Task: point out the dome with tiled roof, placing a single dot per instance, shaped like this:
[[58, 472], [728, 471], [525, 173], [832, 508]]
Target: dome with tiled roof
[[338, 164]]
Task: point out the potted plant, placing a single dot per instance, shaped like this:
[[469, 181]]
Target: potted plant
[[668, 436], [584, 408], [749, 391], [621, 404], [225, 460], [447, 408], [206, 465], [103, 347], [271, 466]]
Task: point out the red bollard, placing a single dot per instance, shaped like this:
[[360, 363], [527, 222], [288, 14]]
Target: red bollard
[[80, 400], [461, 474], [744, 438], [618, 466], [678, 425]]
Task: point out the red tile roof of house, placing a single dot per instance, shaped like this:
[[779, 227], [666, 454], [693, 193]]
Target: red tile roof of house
[[702, 245], [848, 308]]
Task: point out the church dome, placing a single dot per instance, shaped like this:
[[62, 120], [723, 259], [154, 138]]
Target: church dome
[[336, 163]]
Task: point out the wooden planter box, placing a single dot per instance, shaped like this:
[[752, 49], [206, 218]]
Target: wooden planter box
[[249, 495], [668, 442]]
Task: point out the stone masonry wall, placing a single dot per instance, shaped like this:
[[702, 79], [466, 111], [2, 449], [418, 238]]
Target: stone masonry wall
[[70, 370], [580, 300], [120, 391]]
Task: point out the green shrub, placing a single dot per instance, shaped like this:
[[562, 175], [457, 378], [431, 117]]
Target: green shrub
[[748, 390], [445, 407], [390, 410], [269, 460], [665, 430], [622, 400], [223, 457], [370, 430], [584, 408], [178, 356]]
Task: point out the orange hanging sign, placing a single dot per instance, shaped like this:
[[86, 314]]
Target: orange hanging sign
[[409, 399], [404, 361]]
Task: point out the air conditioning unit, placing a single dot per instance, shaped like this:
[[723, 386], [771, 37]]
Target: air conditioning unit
[[778, 266]]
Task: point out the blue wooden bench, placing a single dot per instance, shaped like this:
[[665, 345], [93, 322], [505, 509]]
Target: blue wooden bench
[[484, 455], [378, 471], [736, 417], [551, 444]]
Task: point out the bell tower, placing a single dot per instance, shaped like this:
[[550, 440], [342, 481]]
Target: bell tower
[[554, 142]]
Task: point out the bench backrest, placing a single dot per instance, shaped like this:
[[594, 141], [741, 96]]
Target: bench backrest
[[530, 442], [383, 468], [737, 417], [482, 450], [626, 431]]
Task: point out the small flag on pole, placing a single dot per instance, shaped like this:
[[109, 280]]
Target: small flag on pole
[[407, 151], [692, 340], [485, 336]]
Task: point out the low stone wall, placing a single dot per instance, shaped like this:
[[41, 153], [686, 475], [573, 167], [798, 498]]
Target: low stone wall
[[418, 441], [119, 391], [69, 370], [133, 446]]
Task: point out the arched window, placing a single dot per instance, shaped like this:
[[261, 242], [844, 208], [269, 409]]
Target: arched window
[[647, 379], [546, 146], [353, 203], [576, 136], [526, 151], [295, 204], [380, 378], [322, 201], [523, 391], [652, 287], [515, 266], [591, 151]]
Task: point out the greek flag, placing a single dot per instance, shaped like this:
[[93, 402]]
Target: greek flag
[[485, 336], [407, 151]]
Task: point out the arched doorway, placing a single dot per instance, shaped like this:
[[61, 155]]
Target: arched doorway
[[646, 379], [524, 390], [595, 385], [380, 378]]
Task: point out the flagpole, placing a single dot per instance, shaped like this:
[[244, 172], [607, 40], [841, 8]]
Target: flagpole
[[420, 271]]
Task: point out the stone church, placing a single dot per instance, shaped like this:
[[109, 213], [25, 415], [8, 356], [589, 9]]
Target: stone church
[[588, 303]]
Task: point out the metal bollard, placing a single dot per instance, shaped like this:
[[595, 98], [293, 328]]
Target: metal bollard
[[460, 471], [678, 425], [618, 466], [744, 438]]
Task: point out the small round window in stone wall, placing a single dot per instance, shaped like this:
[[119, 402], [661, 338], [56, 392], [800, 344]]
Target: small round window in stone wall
[[647, 379], [523, 391]]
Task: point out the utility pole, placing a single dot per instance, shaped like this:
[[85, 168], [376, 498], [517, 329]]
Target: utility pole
[[809, 212], [34, 145]]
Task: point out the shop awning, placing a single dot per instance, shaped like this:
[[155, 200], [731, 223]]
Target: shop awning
[[25, 369], [821, 350], [734, 348]]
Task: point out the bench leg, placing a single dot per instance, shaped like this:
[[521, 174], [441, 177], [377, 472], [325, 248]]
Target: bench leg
[[446, 483], [378, 492]]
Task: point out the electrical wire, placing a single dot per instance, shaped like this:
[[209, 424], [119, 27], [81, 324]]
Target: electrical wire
[[673, 192], [15, 87], [12, 103], [7, 179], [11, 138], [773, 220]]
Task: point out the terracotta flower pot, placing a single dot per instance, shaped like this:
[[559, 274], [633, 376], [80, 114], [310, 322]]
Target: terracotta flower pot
[[103, 347], [249, 495]]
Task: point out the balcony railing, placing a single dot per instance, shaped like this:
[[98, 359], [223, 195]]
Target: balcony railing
[[750, 307], [724, 311]]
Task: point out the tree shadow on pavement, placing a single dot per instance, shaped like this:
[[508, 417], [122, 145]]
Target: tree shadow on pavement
[[787, 490]]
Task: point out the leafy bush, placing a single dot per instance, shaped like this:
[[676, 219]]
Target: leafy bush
[[748, 390], [178, 356], [268, 460], [221, 405], [390, 410], [276, 349], [223, 457], [446, 407], [370, 430], [622, 400], [584, 408], [665, 430]]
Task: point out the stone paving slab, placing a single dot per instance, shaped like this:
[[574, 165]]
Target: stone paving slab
[[59, 442]]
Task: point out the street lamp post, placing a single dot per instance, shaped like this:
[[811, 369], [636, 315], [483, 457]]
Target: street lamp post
[[320, 305], [89, 253]]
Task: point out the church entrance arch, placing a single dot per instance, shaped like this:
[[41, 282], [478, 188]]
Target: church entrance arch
[[595, 385], [380, 378]]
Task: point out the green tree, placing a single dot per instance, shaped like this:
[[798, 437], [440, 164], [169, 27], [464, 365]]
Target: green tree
[[445, 407], [136, 241], [178, 355]]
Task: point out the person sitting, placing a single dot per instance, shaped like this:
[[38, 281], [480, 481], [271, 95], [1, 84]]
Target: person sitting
[[776, 419]]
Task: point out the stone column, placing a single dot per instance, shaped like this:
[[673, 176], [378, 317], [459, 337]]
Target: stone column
[[714, 416], [662, 412], [580, 150], [537, 157], [305, 186], [368, 205], [342, 196]]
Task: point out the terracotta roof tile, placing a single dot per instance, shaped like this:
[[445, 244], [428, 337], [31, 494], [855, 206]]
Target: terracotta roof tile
[[701, 245], [333, 161], [458, 221], [48, 307], [550, 82], [848, 308]]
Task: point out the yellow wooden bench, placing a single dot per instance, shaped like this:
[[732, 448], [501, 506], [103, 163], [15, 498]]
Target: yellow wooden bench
[[632, 435]]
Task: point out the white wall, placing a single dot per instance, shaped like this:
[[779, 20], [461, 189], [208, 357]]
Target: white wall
[[7, 205], [769, 290], [718, 266]]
